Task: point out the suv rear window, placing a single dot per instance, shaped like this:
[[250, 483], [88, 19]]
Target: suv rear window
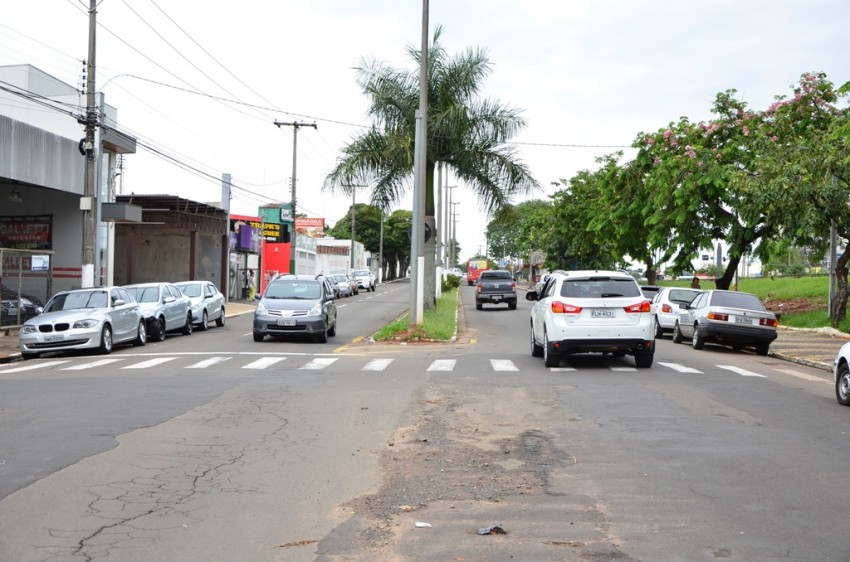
[[600, 287], [496, 275]]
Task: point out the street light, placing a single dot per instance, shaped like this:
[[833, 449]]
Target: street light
[[453, 242], [447, 231]]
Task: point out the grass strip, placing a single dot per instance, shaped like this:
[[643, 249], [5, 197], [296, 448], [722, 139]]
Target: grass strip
[[438, 324]]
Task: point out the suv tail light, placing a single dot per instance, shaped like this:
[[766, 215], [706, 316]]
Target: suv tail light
[[639, 307], [559, 307]]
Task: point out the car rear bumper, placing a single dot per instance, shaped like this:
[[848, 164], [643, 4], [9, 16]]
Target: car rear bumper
[[495, 298], [736, 334], [601, 345]]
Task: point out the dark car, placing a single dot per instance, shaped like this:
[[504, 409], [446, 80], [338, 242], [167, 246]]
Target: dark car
[[296, 304], [726, 318]]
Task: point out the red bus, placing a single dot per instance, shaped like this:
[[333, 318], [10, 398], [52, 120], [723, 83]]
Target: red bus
[[474, 269]]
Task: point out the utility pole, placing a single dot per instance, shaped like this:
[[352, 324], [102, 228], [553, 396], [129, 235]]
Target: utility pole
[[87, 204], [420, 166], [353, 213], [293, 236]]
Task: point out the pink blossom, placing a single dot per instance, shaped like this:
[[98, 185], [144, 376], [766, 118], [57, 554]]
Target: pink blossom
[[746, 131]]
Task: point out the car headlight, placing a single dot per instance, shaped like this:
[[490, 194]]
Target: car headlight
[[316, 310], [260, 309], [28, 329], [87, 323]]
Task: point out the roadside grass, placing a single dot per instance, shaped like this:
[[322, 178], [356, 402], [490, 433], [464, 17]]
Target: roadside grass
[[777, 290], [439, 324]]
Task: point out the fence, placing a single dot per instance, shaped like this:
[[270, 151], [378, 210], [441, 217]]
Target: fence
[[26, 283]]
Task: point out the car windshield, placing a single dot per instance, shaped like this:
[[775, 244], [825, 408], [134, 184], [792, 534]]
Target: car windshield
[[361, 273], [305, 290], [683, 296], [600, 287], [144, 294], [78, 299], [340, 278], [736, 300], [191, 290]]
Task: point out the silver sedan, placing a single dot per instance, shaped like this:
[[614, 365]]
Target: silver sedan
[[206, 300]]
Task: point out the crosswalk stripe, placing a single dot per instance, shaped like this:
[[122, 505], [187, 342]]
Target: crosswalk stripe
[[263, 362], [503, 365], [319, 363], [208, 362], [803, 376], [150, 363], [442, 365], [33, 366], [91, 365], [377, 365], [740, 371], [555, 369], [624, 369], [681, 368]]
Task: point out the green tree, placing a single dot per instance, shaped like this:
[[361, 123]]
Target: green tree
[[467, 133]]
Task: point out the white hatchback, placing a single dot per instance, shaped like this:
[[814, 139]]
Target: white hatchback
[[591, 311]]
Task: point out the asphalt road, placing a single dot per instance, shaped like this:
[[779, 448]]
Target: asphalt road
[[214, 447]]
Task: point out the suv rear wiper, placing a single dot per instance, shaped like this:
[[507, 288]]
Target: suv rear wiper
[[606, 295]]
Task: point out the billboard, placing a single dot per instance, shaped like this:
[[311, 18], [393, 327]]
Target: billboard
[[312, 227]]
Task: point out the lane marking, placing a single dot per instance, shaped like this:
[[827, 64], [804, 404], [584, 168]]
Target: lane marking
[[503, 365], [91, 365], [442, 365], [208, 362], [553, 369], [263, 362], [150, 363], [624, 369], [681, 368], [377, 365], [740, 371], [804, 376], [31, 367], [319, 363]]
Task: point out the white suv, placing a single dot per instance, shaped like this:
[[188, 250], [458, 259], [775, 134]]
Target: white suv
[[591, 311]]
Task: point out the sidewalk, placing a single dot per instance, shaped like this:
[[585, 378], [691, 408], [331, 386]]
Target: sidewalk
[[9, 338], [812, 347]]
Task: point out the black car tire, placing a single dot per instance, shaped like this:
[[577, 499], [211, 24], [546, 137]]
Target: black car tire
[[158, 331], [322, 336], [643, 360], [220, 320], [28, 356], [141, 334], [677, 333], [512, 305], [188, 326], [106, 340], [697, 342], [332, 330], [478, 306], [659, 332], [842, 385], [258, 337], [549, 359], [762, 348], [202, 325], [536, 350]]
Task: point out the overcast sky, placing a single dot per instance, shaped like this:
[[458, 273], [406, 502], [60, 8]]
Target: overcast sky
[[588, 75]]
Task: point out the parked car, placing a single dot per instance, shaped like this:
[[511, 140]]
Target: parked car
[[205, 301], [164, 307], [665, 307], [649, 291], [343, 285], [841, 373], [296, 304], [591, 311], [727, 318], [94, 318], [365, 279], [355, 286], [17, 311]]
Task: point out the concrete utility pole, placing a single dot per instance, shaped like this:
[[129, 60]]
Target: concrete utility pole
[[353, 213], [87, 204], [420, 166], [293, 236]]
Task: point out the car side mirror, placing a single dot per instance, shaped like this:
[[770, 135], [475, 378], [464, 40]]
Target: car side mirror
[[119, 302], [531, 296]]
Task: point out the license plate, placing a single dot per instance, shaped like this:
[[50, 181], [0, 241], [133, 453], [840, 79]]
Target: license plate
[[742, 320], [285, 321], [54, 338], [602, 313]]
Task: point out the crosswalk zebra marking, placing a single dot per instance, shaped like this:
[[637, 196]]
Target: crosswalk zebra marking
[[263, 362], [319, 363], [377, 365], [681, 368], [562, 369], [503, 365], [442, 365], [623, 369], [803, 376], [740, 371], [90, 365], [33, 366], [150, 363], [208, 362]]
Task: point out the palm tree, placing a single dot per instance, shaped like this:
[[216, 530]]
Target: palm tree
[[466, 133]]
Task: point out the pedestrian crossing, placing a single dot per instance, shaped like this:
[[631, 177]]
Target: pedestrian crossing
[[253, 362]]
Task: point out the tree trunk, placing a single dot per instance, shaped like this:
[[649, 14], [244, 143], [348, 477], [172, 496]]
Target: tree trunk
[[651, 273], [838, 306], [430, 292], [725, 281]]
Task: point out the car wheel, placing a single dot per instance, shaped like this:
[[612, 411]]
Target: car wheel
[[323, 335], [549, 359], [643, 360], [106, 340], [258, 337], [205, 318], [187, 327], [220, 320], [659, 332], [762, 348], [842, 385], [479, 306], [697, 342], [536, 350], [332, 330], [141, 334], [158, 332], [677, 333], [512, 306], [28, 356]]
